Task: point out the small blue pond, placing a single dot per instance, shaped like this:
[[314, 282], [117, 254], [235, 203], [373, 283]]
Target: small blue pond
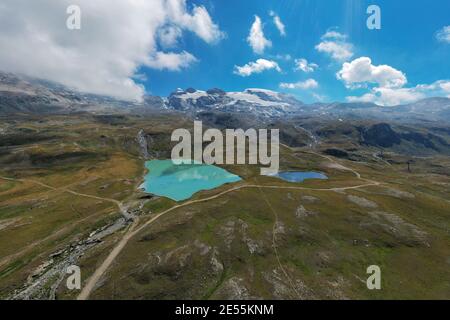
[[300, 176], [180, 182]]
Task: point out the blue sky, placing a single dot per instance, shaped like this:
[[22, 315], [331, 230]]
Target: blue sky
[[127, 48], [407, 42]]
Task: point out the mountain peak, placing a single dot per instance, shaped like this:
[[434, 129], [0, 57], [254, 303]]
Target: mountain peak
[[216, 91]]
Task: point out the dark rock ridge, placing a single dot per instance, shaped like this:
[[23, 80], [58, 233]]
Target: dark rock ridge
[[380, 135]]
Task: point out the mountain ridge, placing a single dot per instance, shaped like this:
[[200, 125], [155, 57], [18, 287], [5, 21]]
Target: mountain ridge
[[20, 94]]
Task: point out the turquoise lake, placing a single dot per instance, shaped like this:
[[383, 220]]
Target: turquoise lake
[[181, 182], [300, 176]]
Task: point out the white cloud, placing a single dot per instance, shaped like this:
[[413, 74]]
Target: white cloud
[[340, 51], [319, 97], [256, 38], [445, 85], [171, 61], [258, 66], [390, 82], [199, 21], [361, 71], [305, 66], [396, 96], [278, 23], [335, 44], [444, 34], [140, 77], [389, 96], [304, 85], [333, 34], [117, 37], [440, 85], [168, 36], [367, 97], [285, 57]]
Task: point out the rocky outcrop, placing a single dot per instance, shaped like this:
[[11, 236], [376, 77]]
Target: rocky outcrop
[[380, 135], [338, 153]]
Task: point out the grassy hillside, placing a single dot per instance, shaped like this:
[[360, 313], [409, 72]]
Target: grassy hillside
[[63, 192]]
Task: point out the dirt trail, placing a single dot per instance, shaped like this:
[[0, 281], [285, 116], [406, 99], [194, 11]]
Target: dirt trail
[[120, 205], [32, 245], [332, 160], [88, 288], [134, 229], [274, 244]]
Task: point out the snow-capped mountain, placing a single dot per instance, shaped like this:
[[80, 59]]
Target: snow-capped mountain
[[260, 101], [24, 95]]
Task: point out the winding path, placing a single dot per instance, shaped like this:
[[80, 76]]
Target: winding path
[[132, 231], [119, 204]]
